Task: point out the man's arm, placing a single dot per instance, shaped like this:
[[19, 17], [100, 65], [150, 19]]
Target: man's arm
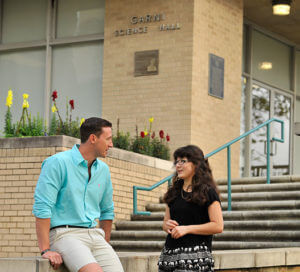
[[106, 226], [42, 232]]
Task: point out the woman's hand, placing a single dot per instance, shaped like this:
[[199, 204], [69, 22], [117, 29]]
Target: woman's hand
[[170, 225], [179, 231]]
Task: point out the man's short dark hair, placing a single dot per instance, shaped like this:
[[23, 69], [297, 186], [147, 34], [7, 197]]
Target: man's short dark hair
[[92, 125]]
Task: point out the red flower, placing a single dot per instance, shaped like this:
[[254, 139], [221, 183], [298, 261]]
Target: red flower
[[168, 137], [153, 135], [142, 134], [71, 102], [161, 134], [54, 95]]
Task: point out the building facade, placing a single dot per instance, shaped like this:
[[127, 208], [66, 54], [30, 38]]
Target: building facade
[[205, 70]]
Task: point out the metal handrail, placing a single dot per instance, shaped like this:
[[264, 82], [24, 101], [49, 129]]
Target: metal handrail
[[228, 146]]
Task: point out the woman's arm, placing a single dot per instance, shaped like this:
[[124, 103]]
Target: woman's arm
[[168, 224], [215, 225]]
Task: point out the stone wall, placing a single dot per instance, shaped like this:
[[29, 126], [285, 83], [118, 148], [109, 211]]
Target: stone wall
[[177, 97], [218, 30], [166, 96], [20, 162]]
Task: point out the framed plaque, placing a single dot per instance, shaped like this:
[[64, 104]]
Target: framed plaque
[[216, 76], [146, 63]]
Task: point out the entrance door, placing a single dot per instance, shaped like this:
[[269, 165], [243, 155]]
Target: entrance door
[[267, 103]]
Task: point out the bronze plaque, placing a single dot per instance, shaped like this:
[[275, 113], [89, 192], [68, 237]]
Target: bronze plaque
[[146, 63], [216, 76]]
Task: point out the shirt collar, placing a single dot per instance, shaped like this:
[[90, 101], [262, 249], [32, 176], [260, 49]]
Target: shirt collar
[[77, 157]]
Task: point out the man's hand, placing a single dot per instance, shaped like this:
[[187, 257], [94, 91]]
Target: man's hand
[[179, 231], [54, 258], [170, 225]]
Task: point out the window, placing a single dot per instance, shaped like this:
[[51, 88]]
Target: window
[[75, 56]]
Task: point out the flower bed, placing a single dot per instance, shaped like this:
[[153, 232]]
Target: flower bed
[[144, 142]]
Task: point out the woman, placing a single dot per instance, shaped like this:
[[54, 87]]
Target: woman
[[193, 214]]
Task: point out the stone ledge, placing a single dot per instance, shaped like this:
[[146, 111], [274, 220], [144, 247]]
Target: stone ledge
[[39, 142], [147, 261], [130, 156], [67, 141]]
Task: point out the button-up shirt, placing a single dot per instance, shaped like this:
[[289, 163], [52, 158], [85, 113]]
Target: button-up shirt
[[66, 194]]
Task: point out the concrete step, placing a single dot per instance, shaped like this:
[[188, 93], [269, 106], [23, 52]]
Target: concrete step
[[228, 225], [291, 235], [259, 235], [261, 180], [261, 187], [262, 225], [254, 196], [260, 191], [226, 245], [137, 245], [142, 235], [152, 246], [233, 215], [243, 205]]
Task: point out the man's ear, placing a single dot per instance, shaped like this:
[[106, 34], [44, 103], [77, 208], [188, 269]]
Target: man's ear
[[92, 138]]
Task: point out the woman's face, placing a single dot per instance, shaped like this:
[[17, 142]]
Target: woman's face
[[185, 169]]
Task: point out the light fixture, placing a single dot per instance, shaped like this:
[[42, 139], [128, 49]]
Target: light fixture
[[265, 65], [281, 7]]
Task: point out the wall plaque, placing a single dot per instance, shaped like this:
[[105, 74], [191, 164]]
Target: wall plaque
[[146, 63], [216, 76]]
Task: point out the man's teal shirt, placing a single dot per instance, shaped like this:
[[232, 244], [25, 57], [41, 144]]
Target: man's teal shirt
[[65, 194]]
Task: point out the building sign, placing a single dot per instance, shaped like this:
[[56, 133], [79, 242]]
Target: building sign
[[146, 63], [216, 76], [138, 25]]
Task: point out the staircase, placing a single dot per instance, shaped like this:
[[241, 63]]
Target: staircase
[[263, 216]]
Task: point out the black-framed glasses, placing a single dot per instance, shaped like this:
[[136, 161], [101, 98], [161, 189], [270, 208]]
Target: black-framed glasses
[[180, 162]]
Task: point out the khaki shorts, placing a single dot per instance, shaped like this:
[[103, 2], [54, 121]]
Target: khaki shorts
[[79, 247]]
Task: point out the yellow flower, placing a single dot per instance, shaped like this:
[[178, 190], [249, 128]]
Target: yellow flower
[[9, 98], [146, 132], [25, 104], [25, 96], [54, 109], [81, 121], [151, 120]]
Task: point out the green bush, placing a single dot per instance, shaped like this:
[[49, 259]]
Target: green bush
[[122, 140], [146, 143]]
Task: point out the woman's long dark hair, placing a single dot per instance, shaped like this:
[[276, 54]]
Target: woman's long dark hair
[[202, 180]]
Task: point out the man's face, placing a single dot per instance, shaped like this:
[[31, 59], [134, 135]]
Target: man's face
[[103, 142]]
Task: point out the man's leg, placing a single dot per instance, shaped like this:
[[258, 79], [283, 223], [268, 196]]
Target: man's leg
[[104, 253], [74, 245], [93, 267]]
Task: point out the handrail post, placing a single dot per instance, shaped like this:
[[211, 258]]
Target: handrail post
[[169, 183], [229, 178], [134, 200], [268, 153]]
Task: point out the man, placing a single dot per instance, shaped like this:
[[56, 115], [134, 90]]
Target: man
[[74, 189]]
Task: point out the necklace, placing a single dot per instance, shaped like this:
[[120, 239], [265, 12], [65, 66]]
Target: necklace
[[182, 194]]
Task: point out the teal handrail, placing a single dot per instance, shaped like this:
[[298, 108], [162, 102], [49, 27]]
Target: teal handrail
[[228, 147]]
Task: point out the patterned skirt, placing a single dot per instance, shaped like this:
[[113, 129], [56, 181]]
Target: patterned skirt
[[196, 258]]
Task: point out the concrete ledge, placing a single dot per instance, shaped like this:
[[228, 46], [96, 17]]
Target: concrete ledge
[[130, 156], [254, 260], [39, 142], [67, 141]]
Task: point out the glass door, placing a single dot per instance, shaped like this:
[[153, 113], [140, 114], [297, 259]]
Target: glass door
[[267, 103]]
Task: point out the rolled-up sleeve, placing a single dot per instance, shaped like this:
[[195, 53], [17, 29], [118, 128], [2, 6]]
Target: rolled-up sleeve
[[48, 186], [107, 204]]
